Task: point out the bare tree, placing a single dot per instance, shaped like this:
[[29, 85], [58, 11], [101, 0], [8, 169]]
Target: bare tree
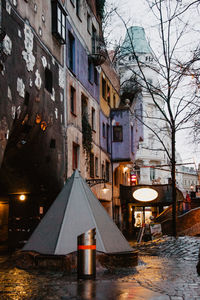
[[176, 66]]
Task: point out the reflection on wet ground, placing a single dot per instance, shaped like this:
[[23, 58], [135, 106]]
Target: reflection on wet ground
[[169, 275]]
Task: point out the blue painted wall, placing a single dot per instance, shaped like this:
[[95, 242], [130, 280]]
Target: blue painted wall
[[106, 146]]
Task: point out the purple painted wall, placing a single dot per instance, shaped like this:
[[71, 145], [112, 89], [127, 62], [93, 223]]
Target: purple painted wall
[[81, 65], [126, 149]]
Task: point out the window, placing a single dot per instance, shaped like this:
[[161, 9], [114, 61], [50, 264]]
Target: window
[[73, 99], [152, 173], [132, 139], [141, 110], [71, 53], [93, 119], [96, 167], [107, 171], [117, 134], [102, 171], [108, 94], [114, 101], [103, 130], [58, 22], [108, 138], [90, 69], [78, 7], [84, 105], [75, 156], [48, 80], [89, 23], [94, 38], [91, 165], [103, 88]]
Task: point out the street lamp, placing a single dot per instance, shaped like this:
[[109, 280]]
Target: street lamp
[[22, 197], [105, 188]]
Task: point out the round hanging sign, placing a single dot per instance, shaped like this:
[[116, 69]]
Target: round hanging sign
[[145, 194]]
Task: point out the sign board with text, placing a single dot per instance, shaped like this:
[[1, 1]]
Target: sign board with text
[[156, 230]]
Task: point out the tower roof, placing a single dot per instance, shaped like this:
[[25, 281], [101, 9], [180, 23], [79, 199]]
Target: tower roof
[[75, 211], [135, 37]]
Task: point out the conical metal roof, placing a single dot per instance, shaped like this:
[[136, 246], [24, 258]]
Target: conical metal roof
[[135, 38], [75, 211]]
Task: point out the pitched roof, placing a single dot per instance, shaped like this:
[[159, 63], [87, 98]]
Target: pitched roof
[[75, 211], [135, 37]]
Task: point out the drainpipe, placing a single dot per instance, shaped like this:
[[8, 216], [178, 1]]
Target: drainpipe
[[64, 134], [111, 124], [65, 154]]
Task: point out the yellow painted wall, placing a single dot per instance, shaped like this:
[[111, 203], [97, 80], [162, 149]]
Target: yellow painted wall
[[105, 106]]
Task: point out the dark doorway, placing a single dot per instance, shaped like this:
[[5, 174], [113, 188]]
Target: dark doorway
[[4, 212]]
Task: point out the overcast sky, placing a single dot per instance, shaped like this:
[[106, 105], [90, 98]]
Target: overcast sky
[[137, 13]]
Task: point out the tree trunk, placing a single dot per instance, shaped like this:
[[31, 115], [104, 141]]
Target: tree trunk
[[173, 175]]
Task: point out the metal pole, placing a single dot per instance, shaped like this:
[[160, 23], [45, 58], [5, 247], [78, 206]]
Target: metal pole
[[86, 262]]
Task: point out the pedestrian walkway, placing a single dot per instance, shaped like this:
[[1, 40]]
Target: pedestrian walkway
[[166, 271]]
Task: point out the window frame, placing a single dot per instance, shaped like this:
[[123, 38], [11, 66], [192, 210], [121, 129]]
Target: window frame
[[90, 71], [58, 24], [93, 115], [108, 94], [78, 9], [107, 171], [71, 52], [103, 130], [152, 174], [73, 100], [75, 156], [108, 137], [114, 101], [115, 138], [96, 166], [132, 139], [103, 88], [94, 40], [92, 165]]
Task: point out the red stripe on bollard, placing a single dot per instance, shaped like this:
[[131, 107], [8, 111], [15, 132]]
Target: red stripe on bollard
[[84, 247]]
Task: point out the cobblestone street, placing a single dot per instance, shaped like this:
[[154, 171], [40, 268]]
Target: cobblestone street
[[166, 270]]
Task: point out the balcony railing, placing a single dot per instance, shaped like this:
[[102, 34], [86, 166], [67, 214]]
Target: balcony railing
[[99, 53]]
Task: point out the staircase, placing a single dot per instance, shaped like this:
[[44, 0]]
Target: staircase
[[187, 223]]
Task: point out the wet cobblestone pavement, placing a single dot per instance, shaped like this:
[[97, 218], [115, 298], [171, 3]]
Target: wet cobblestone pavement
[[166, 271]]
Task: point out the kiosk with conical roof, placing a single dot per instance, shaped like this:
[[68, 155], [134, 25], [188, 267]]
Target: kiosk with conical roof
[[75, 211]]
